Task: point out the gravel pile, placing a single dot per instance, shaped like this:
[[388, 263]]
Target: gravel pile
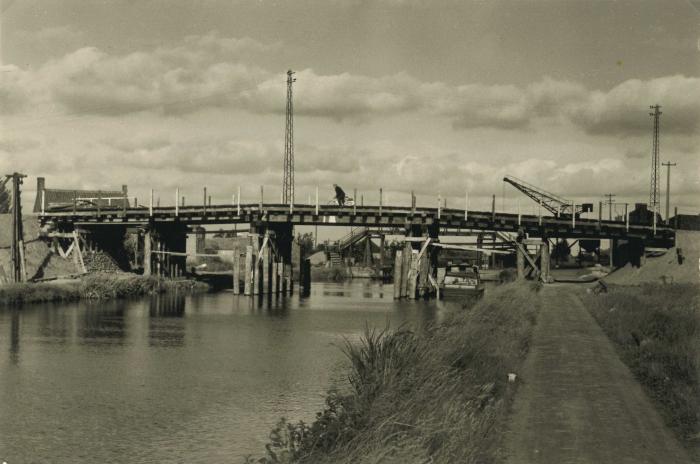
[[100, 261]]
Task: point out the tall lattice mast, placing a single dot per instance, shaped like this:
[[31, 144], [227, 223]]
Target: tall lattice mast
[[288, 182], [654, 193]]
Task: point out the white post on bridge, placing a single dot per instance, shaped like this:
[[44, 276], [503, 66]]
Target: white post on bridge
[[439, 208], [177, 201], [317, 200], [354, 202], [466, 205], [150, 205], [238, 201]]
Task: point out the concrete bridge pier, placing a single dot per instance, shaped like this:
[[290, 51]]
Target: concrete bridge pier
[[165, 250]]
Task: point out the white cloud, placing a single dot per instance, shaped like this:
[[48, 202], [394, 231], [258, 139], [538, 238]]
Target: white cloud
[[212, 71]]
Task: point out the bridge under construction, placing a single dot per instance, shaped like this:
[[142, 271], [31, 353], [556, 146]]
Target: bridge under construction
[[265, 264]]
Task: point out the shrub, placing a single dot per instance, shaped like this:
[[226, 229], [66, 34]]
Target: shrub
[[435, 395]]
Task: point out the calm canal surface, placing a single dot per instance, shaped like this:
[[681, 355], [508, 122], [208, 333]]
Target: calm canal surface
[[195, 379]]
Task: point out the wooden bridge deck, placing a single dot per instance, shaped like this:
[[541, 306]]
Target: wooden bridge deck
[[368, 216]]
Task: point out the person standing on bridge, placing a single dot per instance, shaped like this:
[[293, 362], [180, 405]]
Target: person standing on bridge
[[339, 194]]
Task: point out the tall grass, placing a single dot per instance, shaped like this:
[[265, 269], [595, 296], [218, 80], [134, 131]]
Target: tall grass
[[656, 329], [95, 286], [438, 395]]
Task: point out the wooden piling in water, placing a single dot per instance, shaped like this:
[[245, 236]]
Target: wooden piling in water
[[265, 262], [405, 268], [412, 277], [147, 255], [248, 284], [398, 262], [423, 271], [236, 271], [278, 276]]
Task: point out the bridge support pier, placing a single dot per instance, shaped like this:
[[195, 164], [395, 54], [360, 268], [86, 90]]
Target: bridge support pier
[[414, 267], [268, 261], [164, 250]]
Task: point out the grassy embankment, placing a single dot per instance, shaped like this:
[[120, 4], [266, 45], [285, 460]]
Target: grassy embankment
[[329, 274], [656, 330], [95, 286], [439, 395]]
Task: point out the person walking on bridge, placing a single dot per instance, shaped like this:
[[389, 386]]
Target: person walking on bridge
[[339, 195]]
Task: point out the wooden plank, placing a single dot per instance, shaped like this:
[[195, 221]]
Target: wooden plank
[[280, 276], [405, 269], [248, 284], [412, 277], [423, 273], [265, 262], [398, 261], [79, 255], [236, 271]]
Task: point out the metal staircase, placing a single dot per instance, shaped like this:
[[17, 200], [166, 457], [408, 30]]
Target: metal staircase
[[355, 235]]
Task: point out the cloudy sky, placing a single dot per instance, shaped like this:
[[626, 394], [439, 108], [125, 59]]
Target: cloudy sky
[[438, 97]]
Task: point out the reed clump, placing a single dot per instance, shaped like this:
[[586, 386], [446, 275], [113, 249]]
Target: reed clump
[[94, 287], [656, 330], [439, 395]]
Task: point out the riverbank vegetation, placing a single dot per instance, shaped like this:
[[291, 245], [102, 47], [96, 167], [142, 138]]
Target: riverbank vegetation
[[437, 395], [656, 330], [95, 287], [329, 274]]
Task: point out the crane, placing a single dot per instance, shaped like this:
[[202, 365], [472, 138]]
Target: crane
[[551, 202]]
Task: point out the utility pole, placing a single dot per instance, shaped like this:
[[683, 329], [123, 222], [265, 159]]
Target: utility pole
[[288, 181], [610, 203], [17, 252], [668, 165], [654, 194]]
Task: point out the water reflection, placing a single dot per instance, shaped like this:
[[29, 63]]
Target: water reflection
[[166, 326], [14, 337], [99, 381], [102, 325]]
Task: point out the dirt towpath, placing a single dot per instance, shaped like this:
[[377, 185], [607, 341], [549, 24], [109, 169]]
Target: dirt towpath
[[578, 402]]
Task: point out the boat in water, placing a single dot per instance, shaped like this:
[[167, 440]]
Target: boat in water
[[462, 279]]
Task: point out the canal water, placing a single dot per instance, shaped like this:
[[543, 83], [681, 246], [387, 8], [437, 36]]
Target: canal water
[[178, 378]]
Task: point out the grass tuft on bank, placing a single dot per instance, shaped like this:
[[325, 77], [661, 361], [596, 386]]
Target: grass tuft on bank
[[656, 330], [93, 287], [439, 395]]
